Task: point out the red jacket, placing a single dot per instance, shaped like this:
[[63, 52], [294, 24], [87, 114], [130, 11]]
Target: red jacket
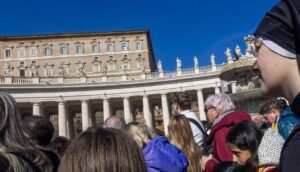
[[218, 134]]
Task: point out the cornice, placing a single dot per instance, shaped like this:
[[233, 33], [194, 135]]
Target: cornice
[[72, 35]]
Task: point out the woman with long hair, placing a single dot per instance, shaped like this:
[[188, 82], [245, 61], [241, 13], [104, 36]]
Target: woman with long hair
[[257, 151], [180, 135], [16, 152], [102, 150]]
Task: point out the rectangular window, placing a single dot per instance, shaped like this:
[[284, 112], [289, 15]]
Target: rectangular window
[[138, 45], [47, 51], [22, 72], [63, 50], [79, 49], [110, 47], [95, 48], [21, 52], [33, 52], [7, 53], [124, 46]]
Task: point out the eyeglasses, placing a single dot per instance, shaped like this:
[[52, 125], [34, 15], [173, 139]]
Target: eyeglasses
[[206, 109], [257, 44]]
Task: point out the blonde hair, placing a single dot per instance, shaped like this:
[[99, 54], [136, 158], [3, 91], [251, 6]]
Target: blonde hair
[[180, 134], [139, 132]]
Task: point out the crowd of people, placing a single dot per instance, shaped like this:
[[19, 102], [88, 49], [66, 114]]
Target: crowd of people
[[232, 142]]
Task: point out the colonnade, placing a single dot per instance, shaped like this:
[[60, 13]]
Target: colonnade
[[66, 126]]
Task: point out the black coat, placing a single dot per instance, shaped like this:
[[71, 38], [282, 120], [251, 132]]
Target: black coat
[[290, 154]]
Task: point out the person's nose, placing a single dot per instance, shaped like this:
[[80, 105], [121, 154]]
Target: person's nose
[[234, 159]]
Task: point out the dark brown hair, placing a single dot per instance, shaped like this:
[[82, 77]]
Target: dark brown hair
[[183, 100], [101, 150]]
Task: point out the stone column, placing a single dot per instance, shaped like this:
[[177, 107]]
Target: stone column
[[85, 114], [233, 87], [202, 114], [166, 112], [62, 118], [147, 113], [37, 109], [70, 125], [106, 109], [127, 112]]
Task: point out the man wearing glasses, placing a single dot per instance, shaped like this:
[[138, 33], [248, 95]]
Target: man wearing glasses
[[221, 114]]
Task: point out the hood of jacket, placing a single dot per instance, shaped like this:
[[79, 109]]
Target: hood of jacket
[[161, 155], [228, 120]]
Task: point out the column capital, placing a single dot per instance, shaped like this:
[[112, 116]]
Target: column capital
[[84, 100], [36, 102], [199, 89], [164, 93]]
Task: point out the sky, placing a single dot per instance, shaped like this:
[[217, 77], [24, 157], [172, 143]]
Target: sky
[[178, 28]]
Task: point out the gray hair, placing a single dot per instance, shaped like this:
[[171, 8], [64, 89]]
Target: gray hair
[[114, 121], [222, 102]]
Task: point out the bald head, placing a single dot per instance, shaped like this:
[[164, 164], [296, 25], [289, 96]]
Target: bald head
[[114, 121]]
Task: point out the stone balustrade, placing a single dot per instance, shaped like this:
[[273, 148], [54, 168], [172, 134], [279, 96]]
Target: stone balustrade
[[107, 78]]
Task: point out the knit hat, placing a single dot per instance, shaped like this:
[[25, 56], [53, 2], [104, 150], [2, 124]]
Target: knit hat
[[269, 148], [280, 29]]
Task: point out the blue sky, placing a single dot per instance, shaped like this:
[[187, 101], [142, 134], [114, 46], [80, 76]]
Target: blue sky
[[178, 28]]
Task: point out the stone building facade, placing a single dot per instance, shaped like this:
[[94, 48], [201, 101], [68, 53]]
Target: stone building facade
[[80, 79]]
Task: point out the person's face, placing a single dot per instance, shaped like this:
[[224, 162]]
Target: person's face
[[271, 116], [211, 113], [239, 156], [273, 70]]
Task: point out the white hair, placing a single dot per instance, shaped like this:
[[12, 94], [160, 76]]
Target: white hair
[[222, 102]]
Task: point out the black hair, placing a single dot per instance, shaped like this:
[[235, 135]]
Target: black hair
[[228, 166], [38, 129], [246, 136], [59, 145]]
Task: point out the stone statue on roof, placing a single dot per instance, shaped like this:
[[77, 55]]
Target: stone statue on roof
[[238, 52], [159, 66], [212, 59], [178, 63], [228, 54], [196, 63]]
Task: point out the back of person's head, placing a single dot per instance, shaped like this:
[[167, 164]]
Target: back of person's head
[[59, 145], [228, 166], [222, 102], [114, 121], [98, 149], [14, 146], [181, 135], [180, 132], [141, 133], [246, 136], [183, 100], [38, 129]]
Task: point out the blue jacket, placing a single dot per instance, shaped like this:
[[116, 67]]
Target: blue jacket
[[287, 122], [160, 155]]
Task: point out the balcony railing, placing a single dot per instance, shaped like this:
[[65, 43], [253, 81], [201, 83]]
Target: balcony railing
[[111, 78]]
